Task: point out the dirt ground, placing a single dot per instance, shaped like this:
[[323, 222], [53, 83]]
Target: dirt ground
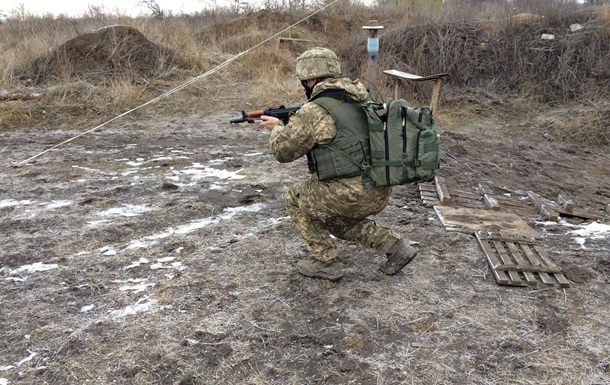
[[159, 252]]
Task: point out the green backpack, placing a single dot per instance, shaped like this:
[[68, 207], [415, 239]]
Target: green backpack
[[405, 143]]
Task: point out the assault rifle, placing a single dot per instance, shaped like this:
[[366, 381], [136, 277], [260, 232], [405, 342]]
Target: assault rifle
[[282, 113]]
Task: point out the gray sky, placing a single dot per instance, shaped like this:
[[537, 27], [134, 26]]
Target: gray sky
[[78, 8]]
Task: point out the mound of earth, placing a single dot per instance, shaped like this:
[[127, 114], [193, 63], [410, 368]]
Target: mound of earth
[[104, 53]]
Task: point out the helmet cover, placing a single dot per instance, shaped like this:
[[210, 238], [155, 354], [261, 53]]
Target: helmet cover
[[318, 63]]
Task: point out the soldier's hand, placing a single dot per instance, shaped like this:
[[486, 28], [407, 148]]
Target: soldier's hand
[[268, 122]]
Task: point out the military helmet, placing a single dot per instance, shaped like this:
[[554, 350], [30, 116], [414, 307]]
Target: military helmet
[[318, 63]]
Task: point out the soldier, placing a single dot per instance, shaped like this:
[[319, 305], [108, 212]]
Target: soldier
[[335, 200]]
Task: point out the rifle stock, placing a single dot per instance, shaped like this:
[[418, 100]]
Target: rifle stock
[[282, 113]]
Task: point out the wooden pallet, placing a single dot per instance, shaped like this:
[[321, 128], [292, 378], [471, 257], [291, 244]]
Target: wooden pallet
[[436, 193], [519, 261]]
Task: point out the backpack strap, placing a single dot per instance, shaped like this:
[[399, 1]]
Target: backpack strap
[[334, 93]]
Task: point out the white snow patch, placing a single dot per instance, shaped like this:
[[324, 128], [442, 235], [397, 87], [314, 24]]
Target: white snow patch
[[13, 202], [136, 264], [142, 305], [136, 288], [58, 204], [126, 211], [593, 230], [35, 267], [86, 168]]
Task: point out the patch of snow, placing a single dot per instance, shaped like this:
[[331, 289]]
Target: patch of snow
[[126, 211], [58, 204], [16, 279], [594, 230], [136, 288], [28, 358], [35, 267], [136, 264], [86, 168], [141, 306], [13, 202]]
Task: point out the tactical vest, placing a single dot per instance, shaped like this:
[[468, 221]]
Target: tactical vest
[[349, 153]]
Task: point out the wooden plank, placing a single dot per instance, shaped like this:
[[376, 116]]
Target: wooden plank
[[530, 278], [536, 261], [543, 208], [491, 202], [563, 281], [529, 269], [565, 204], [503, 238], [472, 219], [427, 187], [288, 39], [490, 254], [579, 214], [485, 189], [514, 203], [436, 90], [441, 189], [507, 261], [408, 76]]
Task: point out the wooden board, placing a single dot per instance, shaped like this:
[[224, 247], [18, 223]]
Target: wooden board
[[428, 193], [519, 261], [471, 220]]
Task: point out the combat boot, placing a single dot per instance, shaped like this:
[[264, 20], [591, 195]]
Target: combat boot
[[399, 255], [330, 270]]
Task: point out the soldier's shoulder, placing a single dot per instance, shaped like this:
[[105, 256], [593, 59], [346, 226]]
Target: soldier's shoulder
[[311, 111]]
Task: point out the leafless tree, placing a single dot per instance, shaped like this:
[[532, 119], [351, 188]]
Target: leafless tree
[[154, 7]]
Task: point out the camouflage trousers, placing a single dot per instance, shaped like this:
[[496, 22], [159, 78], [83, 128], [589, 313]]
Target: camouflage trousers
[[339, 207]]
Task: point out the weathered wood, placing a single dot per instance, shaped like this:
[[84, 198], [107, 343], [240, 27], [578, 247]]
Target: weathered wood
[[565, 204], [470, 220], [399, 77], [490, 254], [491, 202], [519, 255], [528, 270], [485, 189], [502, 238], [516, 253], [535, 260], [441, 189], [544, 209], [563, 281], [506, 261], [292, 39], [580, 214], [428, 187], [436, 90], [407, 76]]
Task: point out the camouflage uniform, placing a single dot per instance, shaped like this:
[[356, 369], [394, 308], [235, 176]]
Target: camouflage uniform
[[339, 207]]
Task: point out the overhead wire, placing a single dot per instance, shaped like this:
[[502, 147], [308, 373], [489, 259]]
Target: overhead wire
[[177, 88]]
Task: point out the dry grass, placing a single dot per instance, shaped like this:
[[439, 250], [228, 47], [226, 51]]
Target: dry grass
[[493, 53]]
